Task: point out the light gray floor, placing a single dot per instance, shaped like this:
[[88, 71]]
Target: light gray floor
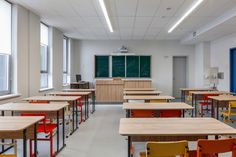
[[99, 136]]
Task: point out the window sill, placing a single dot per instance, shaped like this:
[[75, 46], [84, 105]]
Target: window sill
[[45, 89], [9, 96]]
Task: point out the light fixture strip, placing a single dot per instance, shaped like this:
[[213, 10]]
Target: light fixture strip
[[185, 15], [104, 10]]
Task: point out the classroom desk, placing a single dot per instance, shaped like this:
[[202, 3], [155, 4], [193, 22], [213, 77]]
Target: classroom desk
[[185, 91], [45, 108], [92, 90], [85, 95], [156, 106], [197, 94], [147, 97], [142, 92], [218, 99], [19, 127], [139, 89], [70, 99], [171, 129]]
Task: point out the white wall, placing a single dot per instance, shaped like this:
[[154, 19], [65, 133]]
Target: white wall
[[26, 47], [220, 58], [202, 63], [161, 51]]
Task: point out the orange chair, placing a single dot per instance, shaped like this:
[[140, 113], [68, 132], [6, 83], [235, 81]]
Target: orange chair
[[167, 113], [211, 148], [143, 113], [43, 127], [207, 102]]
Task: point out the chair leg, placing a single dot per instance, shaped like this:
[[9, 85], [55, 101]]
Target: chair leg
[[201, 111], [31, 148], [51, 145], [81, 114]]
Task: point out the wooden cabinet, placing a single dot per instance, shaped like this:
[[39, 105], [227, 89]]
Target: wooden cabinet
[[112, 90]]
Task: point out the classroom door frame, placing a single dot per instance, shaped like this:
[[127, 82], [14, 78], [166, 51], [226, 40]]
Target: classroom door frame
[[186, 73], [232, 62]]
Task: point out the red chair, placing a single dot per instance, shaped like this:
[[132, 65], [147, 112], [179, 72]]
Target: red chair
[[207, 102], [43, 127], [170, 113], [211, 148], [80, 110]]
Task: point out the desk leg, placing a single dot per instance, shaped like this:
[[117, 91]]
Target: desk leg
[[217, 110], [76, 114], [183, 111], [73, 116], [85, 109], [87, 97], [129, 145], [195, 103], [24, 143], [35, 140], [58, 139], [212, 108], [127, 113], [93, 99], [63, 126], [3, 148], [182, 95]]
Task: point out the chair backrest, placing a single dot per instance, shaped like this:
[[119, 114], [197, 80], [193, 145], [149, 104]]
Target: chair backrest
[[157, 101], [167, 149], [39, 102], [232, 105], [206, 96], [43, 121], [143, 113], [170, 113], [211, 147]]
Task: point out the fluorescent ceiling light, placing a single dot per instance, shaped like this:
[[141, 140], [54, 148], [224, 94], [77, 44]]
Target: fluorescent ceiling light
[[104, 10], [185, 15]]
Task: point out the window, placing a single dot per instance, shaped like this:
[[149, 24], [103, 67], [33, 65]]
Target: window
[[66, 61], [45, 56], [5, 47]]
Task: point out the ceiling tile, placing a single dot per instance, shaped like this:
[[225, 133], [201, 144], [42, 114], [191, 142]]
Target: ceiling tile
[[84, 8], [147, 7], [126, 7], [126, 21], [143, 22]]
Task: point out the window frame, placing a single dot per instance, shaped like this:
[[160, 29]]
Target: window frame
[[9, 60], [47, 71], [66, 72]]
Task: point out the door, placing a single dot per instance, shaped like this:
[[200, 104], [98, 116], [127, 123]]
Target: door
[[233, 70], [179, 74]]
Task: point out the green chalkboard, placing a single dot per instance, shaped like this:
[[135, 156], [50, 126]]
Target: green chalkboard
[[101, 66], [118, 66], [145, 66], [132, 66]]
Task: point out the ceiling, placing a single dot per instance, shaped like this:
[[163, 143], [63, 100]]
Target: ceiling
[[131, 19]]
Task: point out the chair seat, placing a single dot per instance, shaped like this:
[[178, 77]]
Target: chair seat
[[48, 128], [142, 154], [226, 113]]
